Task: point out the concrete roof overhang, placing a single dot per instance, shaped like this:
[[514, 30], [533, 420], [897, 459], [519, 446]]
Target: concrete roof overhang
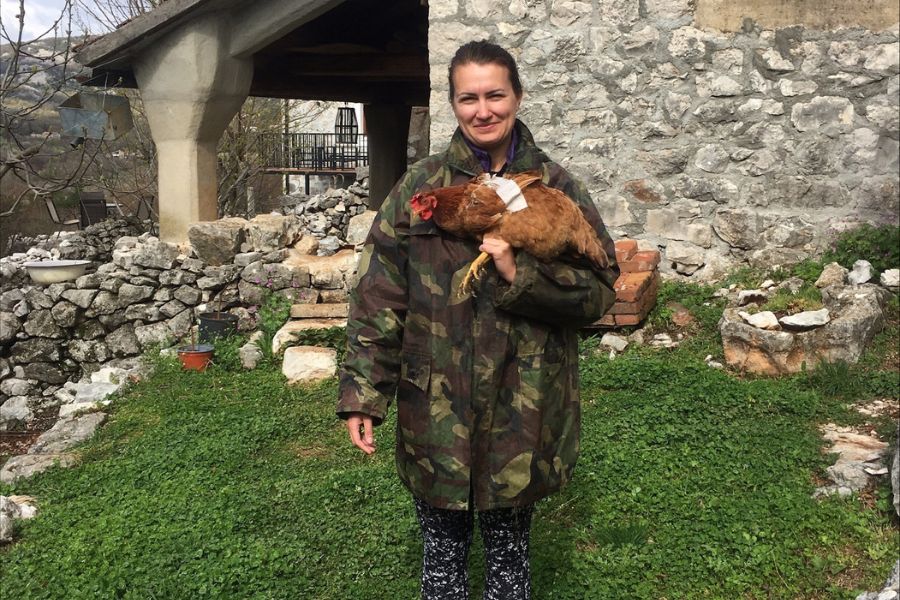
[[367, 51]]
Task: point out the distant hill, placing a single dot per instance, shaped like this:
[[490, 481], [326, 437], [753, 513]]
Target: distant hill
[[41, 67]]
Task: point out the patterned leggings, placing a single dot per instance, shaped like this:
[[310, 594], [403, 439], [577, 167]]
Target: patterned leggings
[[448, 534]]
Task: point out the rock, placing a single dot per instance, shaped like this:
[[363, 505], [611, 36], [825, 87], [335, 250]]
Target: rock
[[359, 227], [327, 272], [309, 363], [762, 320], [861, 272], [67, 433], [123, 341], [94, 392], [747, 296], [46, 372], [271, 232], [65, 314], [155, 254], [891, 279], [791, 284], [663, 340], [823, 112], [250, 355], [105, 303], [856, 315], [73, 409], [849, 475], [155, 333], [40, 323], [80, 298], [88, 351], [611, 340], [245, 258], [686, 258], [739, 228], [91, 281], [15, 413], [27, 465], [328, 245], [35, 349], [9, 327], [13, 386], [832, 274], [187, 295], [806, 319], [13, 508], [306, 245], [215, 278], [133, 294], [772, 60], [712, 158], [217, 242]]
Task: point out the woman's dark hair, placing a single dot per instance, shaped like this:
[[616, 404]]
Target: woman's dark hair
[[484, 53]]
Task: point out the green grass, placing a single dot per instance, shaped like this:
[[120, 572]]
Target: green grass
[[693, 483]]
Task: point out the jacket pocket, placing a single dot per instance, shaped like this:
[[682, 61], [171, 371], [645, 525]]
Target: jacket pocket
[[413, 397], [539, 396]]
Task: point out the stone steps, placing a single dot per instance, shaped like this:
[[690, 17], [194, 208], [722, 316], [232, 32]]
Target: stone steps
[[309, 363]]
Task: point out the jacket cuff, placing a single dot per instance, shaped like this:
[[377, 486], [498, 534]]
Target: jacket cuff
[[351, 402]]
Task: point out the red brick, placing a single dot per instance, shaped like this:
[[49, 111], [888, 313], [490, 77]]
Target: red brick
[[645, 260], [608, 320], [626, 308], [630, 286], [627, 320], [625, 249]]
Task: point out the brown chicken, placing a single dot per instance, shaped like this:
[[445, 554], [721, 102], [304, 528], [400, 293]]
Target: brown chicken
[[549, 226]]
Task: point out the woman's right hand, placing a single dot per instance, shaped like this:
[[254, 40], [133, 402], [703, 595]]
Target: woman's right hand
[[360, 427]]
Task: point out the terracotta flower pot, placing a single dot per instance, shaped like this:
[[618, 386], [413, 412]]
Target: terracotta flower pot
[[195, 358]]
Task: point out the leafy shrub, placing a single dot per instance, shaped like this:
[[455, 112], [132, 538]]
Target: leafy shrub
[[878, 245], [227, 352]]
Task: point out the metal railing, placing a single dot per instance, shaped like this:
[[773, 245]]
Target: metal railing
[[313, 152]]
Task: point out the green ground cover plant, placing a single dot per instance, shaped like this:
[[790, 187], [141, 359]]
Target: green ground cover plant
[[693, 483]]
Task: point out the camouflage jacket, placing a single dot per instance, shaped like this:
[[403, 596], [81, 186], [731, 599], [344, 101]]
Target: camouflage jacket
[[486, 385]]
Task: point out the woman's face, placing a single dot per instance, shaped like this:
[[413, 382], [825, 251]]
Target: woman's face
[[484, 103]]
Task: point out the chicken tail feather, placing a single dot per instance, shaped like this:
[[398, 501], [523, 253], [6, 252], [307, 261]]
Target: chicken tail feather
[[585, 240]]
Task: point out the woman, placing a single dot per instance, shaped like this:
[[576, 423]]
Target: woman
[[486, 385]]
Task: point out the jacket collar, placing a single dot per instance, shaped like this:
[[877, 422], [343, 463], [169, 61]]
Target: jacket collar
[[527, 155]]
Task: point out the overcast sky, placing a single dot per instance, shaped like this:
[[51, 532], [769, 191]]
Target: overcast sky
[[39, 17]]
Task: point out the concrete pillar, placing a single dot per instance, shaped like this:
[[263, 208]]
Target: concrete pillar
[[191, 88], [387, 127]]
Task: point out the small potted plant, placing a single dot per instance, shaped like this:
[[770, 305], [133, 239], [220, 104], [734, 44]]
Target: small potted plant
[[217, 323], [196, 356]]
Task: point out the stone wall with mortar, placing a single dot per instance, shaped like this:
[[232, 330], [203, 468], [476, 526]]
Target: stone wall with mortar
[[717, 148]]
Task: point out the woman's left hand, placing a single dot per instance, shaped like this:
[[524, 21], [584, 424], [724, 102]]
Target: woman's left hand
[[503, 255]]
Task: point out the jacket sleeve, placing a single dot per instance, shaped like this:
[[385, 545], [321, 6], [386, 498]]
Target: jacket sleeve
[[378, 302], [564, 293]]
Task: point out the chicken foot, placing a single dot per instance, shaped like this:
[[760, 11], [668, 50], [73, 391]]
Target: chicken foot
[[474, 273]]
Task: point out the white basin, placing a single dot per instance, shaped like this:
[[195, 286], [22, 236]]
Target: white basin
[[56, 271]]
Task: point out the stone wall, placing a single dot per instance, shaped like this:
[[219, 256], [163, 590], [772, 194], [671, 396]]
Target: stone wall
[[144, 292], [717, 148]]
